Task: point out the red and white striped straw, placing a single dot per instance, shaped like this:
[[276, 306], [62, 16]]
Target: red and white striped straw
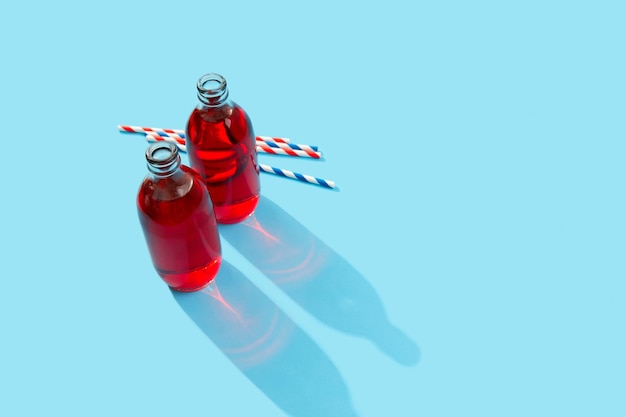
[[273, 139], [140, 129], [179, 142], [265, 148], [296, 146], [260, 146], [181, 133], [309, 150]]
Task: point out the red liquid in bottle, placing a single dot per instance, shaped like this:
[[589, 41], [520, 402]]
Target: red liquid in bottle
[[181, 232], [222, 147]]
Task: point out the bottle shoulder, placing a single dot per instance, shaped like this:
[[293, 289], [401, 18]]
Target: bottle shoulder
[[170, 188], [229, 110], [210, 127], [172, 202]]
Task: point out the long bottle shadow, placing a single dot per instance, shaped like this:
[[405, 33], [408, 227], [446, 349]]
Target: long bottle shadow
[[317, 278], [268, 347]]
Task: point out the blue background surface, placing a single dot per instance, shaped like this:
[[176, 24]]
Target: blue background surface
[[471, 264]]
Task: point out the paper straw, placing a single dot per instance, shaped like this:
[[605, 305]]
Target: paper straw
[[264, 168], [140, 129], [168, 138], [181, 133], [261, 147], [180, 142], [296, 176], [273, 139], [296, 146], [265, 148], [176, 141]]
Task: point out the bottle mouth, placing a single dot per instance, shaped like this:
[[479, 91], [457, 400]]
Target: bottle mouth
[[162, 157], [212, 89]]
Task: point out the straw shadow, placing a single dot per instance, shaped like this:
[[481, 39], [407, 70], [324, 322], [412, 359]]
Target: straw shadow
[[317, 278], [268, 347]]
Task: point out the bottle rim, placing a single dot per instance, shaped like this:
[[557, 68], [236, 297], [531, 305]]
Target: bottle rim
[[212, 89], [162, 157]]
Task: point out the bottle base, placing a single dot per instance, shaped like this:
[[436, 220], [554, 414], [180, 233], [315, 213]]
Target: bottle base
[[193, 280], [234, 213]]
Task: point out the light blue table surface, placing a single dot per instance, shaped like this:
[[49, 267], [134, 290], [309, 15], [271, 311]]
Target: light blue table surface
[[471, 264]]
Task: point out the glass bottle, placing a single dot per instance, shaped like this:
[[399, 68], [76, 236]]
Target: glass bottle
[[176, 214], [222, 147]]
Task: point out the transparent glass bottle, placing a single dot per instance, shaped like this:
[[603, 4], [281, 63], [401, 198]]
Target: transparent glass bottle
[[176, 214], [222, 147]]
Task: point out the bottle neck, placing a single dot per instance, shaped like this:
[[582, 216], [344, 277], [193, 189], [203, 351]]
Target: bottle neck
[[163, 159], [212, 90]]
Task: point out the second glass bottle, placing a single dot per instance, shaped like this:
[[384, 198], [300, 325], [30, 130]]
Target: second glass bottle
[[221, 145]]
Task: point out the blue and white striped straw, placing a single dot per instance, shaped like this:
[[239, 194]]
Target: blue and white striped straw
[[296, 176]]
